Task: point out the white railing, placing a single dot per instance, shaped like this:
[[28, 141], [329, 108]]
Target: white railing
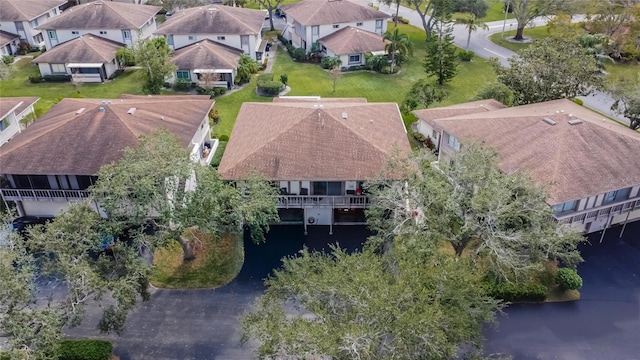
[[589, 215], [51, 195], [211, 84], [302, 201], [88, 78]]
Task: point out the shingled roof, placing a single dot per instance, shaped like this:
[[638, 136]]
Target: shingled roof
[[7, 37], [17, 104], [206, 54], [351, 40], [86, 48], [26, 10], [76, 138], [322, 12], [102, 14], [571, 162], [214, 19], [314, 140]]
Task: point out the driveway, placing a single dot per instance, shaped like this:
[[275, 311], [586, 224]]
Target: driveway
[[204, 324], [604, 324]]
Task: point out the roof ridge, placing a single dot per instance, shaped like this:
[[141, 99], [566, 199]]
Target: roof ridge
[[17, 9], [356, 133], [133, 26], [90, 44], [226, 11]]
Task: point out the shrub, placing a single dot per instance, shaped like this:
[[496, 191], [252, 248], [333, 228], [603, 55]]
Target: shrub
[[57, 78], [299, 54], [578, 101], [568, 279], [217, 91], [125, 57], [497, 91], [511, 291], [404, 21], [35, 79], [223, 137], [465, 55], [202, 91], [284, 79], [181, 85], [418, 135], [214, 116], [282, 39], [85, 350], [429, 143], [387, 69], [7, 59], [270, 87]]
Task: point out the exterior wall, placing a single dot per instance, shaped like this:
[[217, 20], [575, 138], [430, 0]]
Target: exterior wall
[[11, 50], [427, 130], [44, 208], [232, 40], [300, 32], [110, 68], [14, 124], [29, 27], [112, 34]]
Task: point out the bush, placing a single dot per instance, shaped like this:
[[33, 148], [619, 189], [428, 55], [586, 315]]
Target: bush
[[181, 85], [418, 135], [465, 55], [7, 59], [35, 79], [510, 291], [497, 91], [387, 69], [57, 78], [284, 79], [214, 116], [282, 39], [202, 91], [578, 101], [125, 57], [299, 54], [223, 138], [217, 91], [568, 279], [85, 350]]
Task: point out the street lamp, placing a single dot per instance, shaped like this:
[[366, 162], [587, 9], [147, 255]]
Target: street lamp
[[506, 11]]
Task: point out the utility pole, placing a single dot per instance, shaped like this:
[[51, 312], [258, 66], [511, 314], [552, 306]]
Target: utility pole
[[506, 11]]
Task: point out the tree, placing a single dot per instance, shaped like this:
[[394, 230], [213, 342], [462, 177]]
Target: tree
[[154, 56], [157, 181], [478, 8], [527, 10], [422, 95], [497, 91], [472, 23], [626, 93], [549, 69], [501, 220], [397, 43], [441, 54], [397, 3], [427, 5], [270, 5], [246, 67], [594, 44], [69, 253], [368, 306], [173, 5], [332, 63]]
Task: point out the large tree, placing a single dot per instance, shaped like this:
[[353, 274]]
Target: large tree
[[527, 10], [270, 5], [501, 220], [550, 69], [422, 95], [154, 56], [397, 45], [440, 60], [156, 181], [430, 11], [626, 93], [404, 305]]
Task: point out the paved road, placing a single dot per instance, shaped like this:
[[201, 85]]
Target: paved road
[[485, 48]]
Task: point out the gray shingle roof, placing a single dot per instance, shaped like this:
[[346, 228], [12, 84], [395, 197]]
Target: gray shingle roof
[[7, 37], [351, 40], [206, 54], [86, 48], [321, 12], [214, 19], [25, 10], [102, 14]]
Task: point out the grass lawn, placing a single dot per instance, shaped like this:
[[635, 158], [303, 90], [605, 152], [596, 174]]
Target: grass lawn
[[536, 33], [50, 93], [623, 71], [217, 262]]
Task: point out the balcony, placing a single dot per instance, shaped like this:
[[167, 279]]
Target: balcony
[[43, 195], [335, 202], [590, 215]]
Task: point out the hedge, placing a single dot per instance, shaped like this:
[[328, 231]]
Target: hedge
[[85, 349], [568, 279], [267, 85], [57, 78], [510, 291]]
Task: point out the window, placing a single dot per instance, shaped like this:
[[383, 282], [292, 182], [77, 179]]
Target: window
[[103, 32], [353, 59], [379, 26], [40, 181], [126, 34], [221, 38], [52, 34], [193, 37], [38, 38], [327, 188], [58, 68], [359, 24], [616, 195], [85, 181], [453, 142], [75, 32], [4, 124], [564, 207], [19, 26], [434, 134], [315, 30], [183, 74], [337, 26], [170, 40], [34, 23], [244, 41]]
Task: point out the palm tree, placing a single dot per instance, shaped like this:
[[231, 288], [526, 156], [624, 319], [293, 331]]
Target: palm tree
[[397, 43], [594, 44], [472, 23]]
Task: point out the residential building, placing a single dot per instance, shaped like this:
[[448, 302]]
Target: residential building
[[310, 20], [87, 58], [22, 17], [318, 152], [8, 43], [351, 44], [232, 26], [207, 63], [52, 162], [139, 2], [12, 110], [585, 163], [116, 21]]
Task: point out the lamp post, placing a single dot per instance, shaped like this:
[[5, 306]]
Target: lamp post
[[506, 11]]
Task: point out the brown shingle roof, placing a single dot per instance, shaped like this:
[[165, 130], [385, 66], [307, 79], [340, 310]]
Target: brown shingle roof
[[102, 14], [472, 107], [9, 103], [321, 12], [86, 48], [206, 54], [7, 37], [571, 161], [214, 19], [64, 142], [351, 40], [305, 140], [25, 10], [317, 99]]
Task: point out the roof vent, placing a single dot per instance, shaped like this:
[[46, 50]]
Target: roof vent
[[101, 108], [161, 117], [109, 102], [344, 115], [80, 111], [212, 8], [104, 102], [548, 121], [131, 111], [575, 122]]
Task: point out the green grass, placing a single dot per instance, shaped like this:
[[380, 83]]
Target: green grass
[[217, 262], [622, 71], [229, 105], [536, 33], [496, 12], [50, 93]]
